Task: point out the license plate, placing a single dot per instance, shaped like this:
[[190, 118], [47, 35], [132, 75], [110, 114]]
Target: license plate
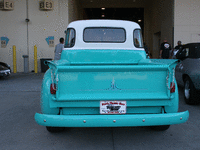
[[112, 107]]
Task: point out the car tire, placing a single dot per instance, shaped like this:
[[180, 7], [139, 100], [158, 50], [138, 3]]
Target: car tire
[[160, 128], [55, 129], [190, 93]]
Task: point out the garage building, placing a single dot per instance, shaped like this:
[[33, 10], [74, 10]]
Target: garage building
[[27, 23]]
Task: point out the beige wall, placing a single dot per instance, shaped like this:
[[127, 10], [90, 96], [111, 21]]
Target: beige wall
[[167, 20], [75, 10], [187, 21], [42, 24], [157, 16], [160, 17], [13, 26], [162, 12]]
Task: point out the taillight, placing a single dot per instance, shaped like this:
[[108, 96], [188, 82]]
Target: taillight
[[172, 87], [53, 88]]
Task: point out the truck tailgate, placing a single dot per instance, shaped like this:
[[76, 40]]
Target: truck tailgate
[[112, 82]]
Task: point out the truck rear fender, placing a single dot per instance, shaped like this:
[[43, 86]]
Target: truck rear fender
[[173, 108], [46, 96], [175, 96]]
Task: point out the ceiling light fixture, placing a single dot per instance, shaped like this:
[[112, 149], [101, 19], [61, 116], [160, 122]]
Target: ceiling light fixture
[[102, 15], [139, 20], [103, 8]]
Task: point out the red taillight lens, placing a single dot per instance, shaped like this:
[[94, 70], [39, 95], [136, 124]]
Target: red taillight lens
[[53, 88], [172, 87]]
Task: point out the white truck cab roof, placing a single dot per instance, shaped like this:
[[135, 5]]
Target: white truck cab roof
[[125, 30]]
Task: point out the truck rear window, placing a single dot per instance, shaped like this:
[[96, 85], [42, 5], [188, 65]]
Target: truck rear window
[[70, 38], [104, 35]]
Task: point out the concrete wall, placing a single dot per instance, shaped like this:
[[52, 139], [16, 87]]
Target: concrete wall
[[187, 21], [162, 16], [167, 20], [44, 24], [75, 10], [14, 27], [25, 35]]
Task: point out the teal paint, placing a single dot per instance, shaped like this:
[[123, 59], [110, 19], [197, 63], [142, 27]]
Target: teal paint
[[101, 55], [83, 82], [108, 120], [46, 96], [86, 77]]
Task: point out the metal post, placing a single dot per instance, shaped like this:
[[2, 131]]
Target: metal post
[[14, 59], [35, 60], [26, 69]]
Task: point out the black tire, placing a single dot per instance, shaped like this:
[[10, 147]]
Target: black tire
[[190, 93], [160, 128], [55, 129]]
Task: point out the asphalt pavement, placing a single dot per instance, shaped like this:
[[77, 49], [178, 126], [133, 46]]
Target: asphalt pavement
[[20, 100]]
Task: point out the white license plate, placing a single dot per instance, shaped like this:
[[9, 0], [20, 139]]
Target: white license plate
[[112, 107]]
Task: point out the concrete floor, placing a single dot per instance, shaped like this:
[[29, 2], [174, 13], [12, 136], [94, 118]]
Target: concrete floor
[[20, 100]]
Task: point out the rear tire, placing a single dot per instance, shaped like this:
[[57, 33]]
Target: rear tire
[[55, 129], [160, 128], [190, 93]]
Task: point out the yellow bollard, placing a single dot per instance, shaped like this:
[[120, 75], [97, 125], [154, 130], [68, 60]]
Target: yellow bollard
[[35, 59], [14, 60]]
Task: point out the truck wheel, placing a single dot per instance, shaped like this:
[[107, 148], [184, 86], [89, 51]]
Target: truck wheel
[[160, 128], [190, 93], [55, 129]]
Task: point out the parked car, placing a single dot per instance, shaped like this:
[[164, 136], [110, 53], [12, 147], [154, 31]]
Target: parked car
[[188, 72], [4, 70]]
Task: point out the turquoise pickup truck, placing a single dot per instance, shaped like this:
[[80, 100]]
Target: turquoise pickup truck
[[105, 79]]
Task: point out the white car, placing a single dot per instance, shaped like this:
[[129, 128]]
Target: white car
[[4, 70]]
